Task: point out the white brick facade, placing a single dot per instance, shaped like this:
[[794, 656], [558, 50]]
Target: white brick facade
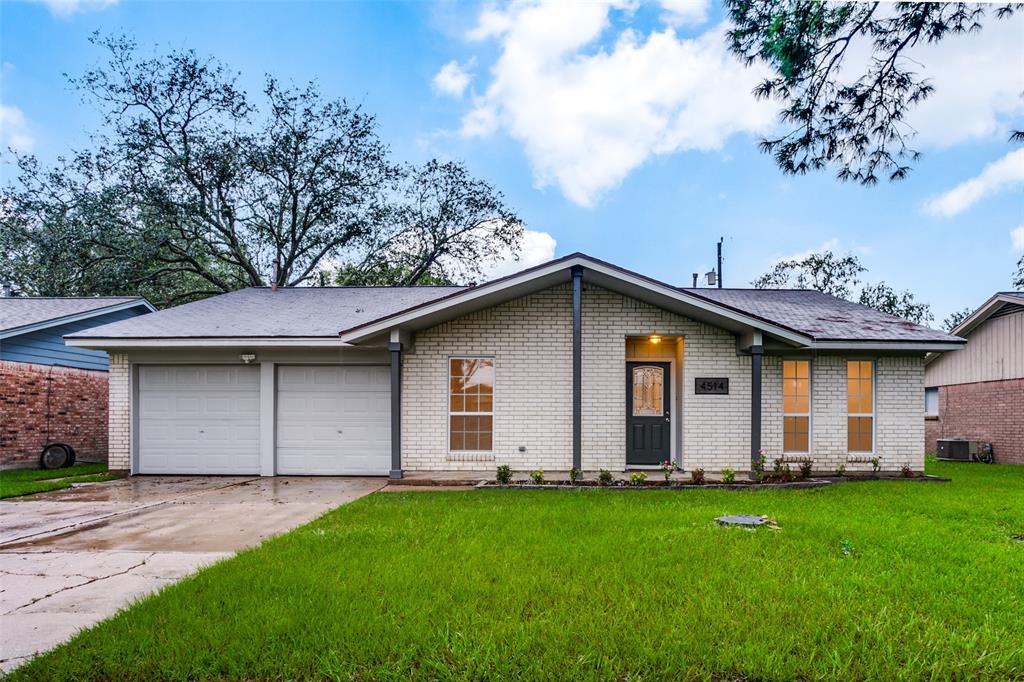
[[119, 400], [530, 340]]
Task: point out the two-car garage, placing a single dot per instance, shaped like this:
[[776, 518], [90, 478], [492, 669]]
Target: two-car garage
[[206, 419]]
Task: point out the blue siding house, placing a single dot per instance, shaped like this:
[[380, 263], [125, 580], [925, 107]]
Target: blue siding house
[[54, 396], [32, 329]]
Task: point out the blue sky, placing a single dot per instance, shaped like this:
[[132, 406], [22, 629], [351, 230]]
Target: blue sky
[[624, 131]]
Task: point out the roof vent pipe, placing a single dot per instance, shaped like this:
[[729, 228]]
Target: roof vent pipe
[[277, 272]]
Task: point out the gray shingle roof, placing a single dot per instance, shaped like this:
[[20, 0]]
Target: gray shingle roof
[[18, 311], [821, 316], [301, 312]]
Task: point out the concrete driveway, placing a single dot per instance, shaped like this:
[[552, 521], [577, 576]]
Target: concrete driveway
[[71, 558]]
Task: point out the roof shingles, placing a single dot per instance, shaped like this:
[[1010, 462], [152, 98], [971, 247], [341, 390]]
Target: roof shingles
[[17, 311]]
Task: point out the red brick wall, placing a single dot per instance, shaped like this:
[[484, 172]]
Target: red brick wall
[[77, 412], [991, 411]]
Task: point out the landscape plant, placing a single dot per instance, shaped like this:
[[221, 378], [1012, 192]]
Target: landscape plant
[[504, 475], [637, 478], [537, 476], [806, 468], [728, 475], [604, 477], [667, 468], [697, 476]]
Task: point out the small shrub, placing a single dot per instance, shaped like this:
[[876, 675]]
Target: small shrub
[[537, 476], [841, 470], [637, 478], [728, 476], [781, 471], [876, 464], [758, 464], [575, 475], [806, 467], [604, 477], [504, 475], [697, 476], [667, 468], [907, 471]]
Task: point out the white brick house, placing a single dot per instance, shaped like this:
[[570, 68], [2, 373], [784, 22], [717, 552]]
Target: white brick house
[[575, 363]]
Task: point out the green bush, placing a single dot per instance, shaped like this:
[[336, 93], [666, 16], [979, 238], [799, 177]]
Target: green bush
[[504, 475], [604, 477], [537, 476], [806, 467], [728, 476], [637, 478], [575, 475]]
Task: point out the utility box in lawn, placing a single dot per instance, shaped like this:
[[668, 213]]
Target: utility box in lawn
[[963, 450]]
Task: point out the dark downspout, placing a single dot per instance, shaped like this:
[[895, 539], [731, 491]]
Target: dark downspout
[[756, 351], [577, 367], [396, 410]]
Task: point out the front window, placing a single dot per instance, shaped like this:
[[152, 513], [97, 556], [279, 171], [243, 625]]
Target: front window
[[860, 405], [470, 404], [796, 406]]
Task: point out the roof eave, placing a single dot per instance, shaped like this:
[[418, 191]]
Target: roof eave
[[909, 346], [75, 317], [106, 343]]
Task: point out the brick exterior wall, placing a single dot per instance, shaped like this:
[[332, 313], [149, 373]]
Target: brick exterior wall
[[120, 401], [991, 411], [530, 340], [76, 413]]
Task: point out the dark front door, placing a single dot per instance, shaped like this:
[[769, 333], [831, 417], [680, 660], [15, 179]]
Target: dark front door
[[648, 419]]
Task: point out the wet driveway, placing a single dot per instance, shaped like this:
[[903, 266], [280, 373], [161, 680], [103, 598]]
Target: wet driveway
[[71, 558]]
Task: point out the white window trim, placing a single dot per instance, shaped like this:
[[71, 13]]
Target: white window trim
[[810, 409], [467, 455], [936, 390], [874, 408]]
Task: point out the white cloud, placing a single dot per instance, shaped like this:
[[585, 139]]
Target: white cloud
[[685, 12], [1002, 174], [1017, 238], [452, 79], [68, 8], [537, 248], [978, 81], [587, 116], [15, 131], [829, 245]]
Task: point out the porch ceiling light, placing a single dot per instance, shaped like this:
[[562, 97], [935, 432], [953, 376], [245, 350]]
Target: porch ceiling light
[[654, 339]]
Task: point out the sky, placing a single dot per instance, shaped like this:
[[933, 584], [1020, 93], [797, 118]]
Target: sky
[[622, 129]]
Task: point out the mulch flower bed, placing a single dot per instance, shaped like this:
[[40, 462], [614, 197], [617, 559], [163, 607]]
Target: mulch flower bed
[[817, 482]]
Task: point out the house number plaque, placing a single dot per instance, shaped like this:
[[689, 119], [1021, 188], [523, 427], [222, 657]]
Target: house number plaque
[[711, 386]]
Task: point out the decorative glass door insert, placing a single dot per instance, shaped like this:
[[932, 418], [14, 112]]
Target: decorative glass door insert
[[648, 391]]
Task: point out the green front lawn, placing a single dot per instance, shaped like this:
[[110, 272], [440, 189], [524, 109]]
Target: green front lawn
[[17, 482], [600, 584]]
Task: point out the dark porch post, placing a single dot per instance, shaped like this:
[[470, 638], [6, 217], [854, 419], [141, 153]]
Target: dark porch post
[[577, 367], [756, 351], [396, 410]]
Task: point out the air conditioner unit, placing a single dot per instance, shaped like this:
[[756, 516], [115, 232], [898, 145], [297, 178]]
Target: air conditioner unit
[[963, 450]]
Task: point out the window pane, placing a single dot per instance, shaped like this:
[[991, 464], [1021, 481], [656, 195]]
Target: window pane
[[859, 434], [471, 390], [648, 391]]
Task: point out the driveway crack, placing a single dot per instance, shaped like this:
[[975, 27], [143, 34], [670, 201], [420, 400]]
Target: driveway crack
[[90, 581]]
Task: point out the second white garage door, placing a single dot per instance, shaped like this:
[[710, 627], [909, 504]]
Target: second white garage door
[[333, 420]]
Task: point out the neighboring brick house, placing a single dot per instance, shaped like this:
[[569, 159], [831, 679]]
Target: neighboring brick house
[[574, 363], [978, 393], [51, 393]]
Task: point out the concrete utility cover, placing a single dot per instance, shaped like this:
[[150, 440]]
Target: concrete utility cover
[[742, 520]]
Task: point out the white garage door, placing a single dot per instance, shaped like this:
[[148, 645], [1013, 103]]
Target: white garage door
[[333, 420], [199, 419]]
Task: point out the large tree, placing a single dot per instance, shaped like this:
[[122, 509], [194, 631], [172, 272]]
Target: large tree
[[191, 188], [837, 112], [840, 277]]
